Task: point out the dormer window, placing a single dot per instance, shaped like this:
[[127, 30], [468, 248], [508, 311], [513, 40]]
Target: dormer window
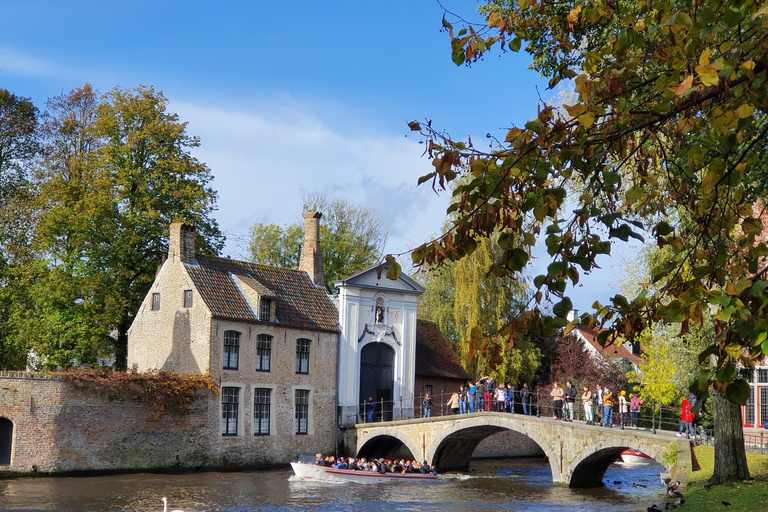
[[265, 309]]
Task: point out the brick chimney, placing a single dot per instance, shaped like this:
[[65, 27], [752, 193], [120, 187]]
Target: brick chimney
[[182, 243], [311, 260]]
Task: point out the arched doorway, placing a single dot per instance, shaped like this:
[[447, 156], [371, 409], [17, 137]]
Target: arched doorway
[[377, 378], [6, 441]]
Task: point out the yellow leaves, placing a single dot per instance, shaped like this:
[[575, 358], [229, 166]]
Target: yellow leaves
[[573, 16], [575, 110], [707, 75], [494, 20], [744, 110], [704, 58], [587, 119], [582, 84], [750, 64], [684, 86], [513, 134]]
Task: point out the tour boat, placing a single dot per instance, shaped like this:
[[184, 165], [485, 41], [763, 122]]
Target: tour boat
[[635, 457], [333, 475]]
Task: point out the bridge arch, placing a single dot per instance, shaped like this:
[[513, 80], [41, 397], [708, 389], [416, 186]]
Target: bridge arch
[[386, 443], [452, 447], [589, 466]]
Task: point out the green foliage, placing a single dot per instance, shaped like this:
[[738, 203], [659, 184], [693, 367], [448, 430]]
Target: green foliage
[[18, 142], [667, 130], [352, 238], [114, 172], [271, 244], [669, 456], [469, 305]]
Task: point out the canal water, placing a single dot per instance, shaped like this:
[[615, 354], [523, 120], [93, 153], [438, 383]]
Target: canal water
[[491, 484]]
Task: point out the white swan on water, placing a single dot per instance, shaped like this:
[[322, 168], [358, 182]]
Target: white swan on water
[[165, 506]]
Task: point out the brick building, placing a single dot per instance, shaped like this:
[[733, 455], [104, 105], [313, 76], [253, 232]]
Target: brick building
[[438, 370], [266, 334], [290, 363]]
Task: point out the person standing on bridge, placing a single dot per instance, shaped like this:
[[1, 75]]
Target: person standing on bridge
[[511, 397], [570, 400], [634, 408], [586, 401], [462, 400], [490, 387], [623, 408], [525, 398], [370, 407], [471, 396], [427, 405], [557, 394], [501, 397], [608, 407], [686, 416], [453, 403], [597, 397], [481, 393]]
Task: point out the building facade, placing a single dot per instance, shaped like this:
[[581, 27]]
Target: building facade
[[267, 336], [377, 344]]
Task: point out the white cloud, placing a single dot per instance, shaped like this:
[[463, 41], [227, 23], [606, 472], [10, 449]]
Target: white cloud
[[263, 161]]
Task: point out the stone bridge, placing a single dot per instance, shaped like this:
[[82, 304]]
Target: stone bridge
[[578, 454]]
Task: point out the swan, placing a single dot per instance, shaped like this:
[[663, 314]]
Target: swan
[[165, 506]]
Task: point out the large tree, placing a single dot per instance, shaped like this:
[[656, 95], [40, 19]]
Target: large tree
[[115, 171], [670, 118], [352, 238], [464, 301]]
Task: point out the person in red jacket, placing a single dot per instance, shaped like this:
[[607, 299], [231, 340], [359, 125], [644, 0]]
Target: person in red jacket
[[686, 416]]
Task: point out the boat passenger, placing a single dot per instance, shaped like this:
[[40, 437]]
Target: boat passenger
[[341, 464]]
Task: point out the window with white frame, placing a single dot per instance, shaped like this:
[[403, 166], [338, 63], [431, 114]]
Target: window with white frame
[[231, 350], [187, 298], [155, 302], [261, 411], [263, 352], [230, 402], [302, 411], [302, 355]]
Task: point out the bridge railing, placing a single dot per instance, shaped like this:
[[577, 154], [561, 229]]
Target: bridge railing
[[650, 417]]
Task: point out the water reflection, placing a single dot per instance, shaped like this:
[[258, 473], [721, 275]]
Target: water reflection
[[511, 484]]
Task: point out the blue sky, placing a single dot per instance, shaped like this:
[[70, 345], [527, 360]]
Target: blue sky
[[287, 97]]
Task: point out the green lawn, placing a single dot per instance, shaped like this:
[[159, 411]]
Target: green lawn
[[751, 496]]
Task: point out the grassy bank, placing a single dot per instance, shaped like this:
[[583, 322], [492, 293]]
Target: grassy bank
[[750, 496]]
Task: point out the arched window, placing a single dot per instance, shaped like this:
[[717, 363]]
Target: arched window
[[6, 441]]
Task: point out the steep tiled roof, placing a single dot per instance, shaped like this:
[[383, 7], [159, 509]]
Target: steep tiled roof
[[299, 303], [434, 357], [610, 350]]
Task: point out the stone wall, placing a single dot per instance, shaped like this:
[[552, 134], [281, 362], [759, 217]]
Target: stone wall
[[507, 444], [59, 427]]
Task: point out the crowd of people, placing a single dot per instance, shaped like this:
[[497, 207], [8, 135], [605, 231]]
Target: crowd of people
[[487, 395], [599, 406], [374, 465]]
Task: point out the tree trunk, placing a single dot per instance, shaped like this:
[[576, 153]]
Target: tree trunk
[[730, 456], [121, 345]]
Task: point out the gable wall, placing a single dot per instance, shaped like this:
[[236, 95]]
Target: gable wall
[[174, 338]]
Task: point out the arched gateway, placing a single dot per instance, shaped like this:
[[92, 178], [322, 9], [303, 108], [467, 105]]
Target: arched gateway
[[377, 377]]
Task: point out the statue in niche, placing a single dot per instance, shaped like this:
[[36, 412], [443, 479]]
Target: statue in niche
[[379, 316]]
